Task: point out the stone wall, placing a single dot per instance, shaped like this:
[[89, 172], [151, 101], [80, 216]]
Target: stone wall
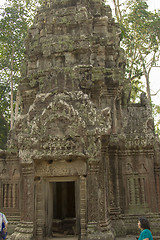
[[76, 125]]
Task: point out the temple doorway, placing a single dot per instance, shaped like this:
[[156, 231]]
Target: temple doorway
[[63, 208]]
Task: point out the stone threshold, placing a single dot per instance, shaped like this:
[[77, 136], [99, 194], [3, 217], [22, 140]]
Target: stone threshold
[[133, 237]]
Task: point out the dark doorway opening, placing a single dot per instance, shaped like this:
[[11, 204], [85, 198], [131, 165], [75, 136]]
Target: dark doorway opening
[[64, 210]]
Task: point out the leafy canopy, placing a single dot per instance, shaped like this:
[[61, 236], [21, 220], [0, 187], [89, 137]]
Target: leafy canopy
[[141, 40], [15, 18]]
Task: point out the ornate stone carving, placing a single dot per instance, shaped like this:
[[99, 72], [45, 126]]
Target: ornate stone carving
[[70, 118], [77, 126]]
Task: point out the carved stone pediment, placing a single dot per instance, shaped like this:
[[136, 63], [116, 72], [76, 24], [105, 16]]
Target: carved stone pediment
[[62, 124]]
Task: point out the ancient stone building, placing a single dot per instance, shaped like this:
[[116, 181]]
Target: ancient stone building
[[81, 160]]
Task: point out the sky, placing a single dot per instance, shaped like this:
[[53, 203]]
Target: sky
[[155, 72]]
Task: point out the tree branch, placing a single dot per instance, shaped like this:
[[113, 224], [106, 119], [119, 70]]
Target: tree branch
[[155, 93]]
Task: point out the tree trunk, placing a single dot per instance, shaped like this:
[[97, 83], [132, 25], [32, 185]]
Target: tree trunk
[[146, 74], [11, 83], [17, 104], [117, 10]]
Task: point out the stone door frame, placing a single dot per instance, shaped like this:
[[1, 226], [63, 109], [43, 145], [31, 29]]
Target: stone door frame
[[49, 199]]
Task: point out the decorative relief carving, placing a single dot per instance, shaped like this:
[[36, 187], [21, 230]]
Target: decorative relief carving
[[136, 173], [10, 195], [73, 93], [15, 173], [60, 168], [4, 170], [92, 198], [102, 193], [61, 128], [136, 189], [83, 209], [130, 168]]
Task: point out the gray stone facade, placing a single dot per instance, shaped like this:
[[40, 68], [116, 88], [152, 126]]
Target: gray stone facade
[[81, 160]]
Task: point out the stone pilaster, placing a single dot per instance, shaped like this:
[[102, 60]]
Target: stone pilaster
[[98, 224], [92, 185], [114, 193], [39, 218], [157, 177], [24, 229], [114, 183], [83, 201]]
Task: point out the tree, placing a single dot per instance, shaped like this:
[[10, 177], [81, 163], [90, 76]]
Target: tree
[[15, 18], [13, 27], [141, 40], [144, 28], [3, 131]]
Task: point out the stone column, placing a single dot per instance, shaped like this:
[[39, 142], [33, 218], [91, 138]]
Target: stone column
[[107, 231], [83, 201], [24, 229], [114, 192], [157, 177], [14, 195], [111, 95], [157, 170], [92, 186], [5, 194], [39, 220], [114, 186], [103, 198]]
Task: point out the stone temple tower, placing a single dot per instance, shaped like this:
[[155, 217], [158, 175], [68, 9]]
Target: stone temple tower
[[81, 160]]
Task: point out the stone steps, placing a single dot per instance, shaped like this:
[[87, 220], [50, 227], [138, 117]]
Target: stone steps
[[126, 238], [62, 238], [133, 237], [129, 237]]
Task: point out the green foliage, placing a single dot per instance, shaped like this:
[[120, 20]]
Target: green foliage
[[4, 97], [3, 132], [140, 38], [13, 27], [15, 18], [142, 44], [28, 7]]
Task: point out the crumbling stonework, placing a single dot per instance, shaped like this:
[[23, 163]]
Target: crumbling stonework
[[85, 162]]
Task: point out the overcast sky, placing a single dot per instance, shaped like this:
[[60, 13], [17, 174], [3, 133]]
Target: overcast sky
[[155, 72], [153, 4]]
